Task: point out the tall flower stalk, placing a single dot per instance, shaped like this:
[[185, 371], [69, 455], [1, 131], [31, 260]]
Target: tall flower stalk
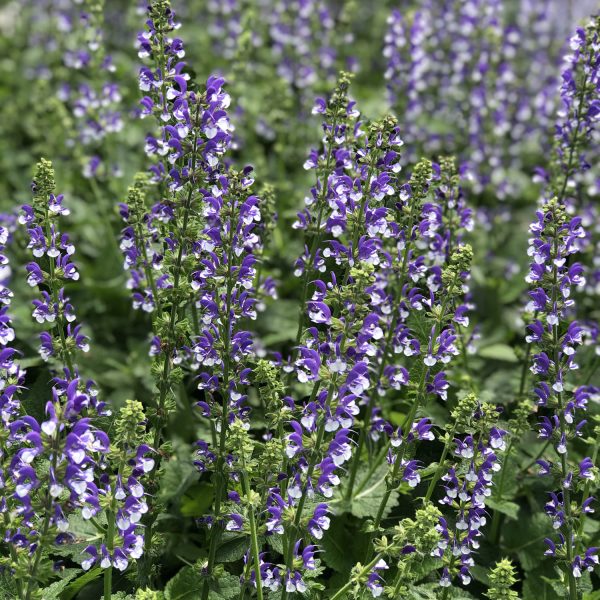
[[466, 484], [555, 337], [161, 242], [554, 333], [224, 281], [66, 442]]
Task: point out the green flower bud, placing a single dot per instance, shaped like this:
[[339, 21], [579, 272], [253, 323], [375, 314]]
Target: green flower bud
[[502, 578]]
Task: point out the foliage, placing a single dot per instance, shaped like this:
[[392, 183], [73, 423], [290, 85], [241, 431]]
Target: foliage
[[367, 365]]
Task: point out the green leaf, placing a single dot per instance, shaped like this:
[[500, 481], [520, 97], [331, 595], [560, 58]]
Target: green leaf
[[422, 592], [8, 590], [78, 584], [52, 592], [188, 584], [425, 566], [197, 500], [560, 589], [480, 574], [276, 542], [510, 509], [342, 545], [536, 586], [37, 395], [367, 501], [84, 534], [232, 549], [501, 352], [397, 418], [525, 538], [176, 478], [430, 591]]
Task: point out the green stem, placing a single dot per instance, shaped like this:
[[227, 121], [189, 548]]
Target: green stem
[[164, 385], [215, 531], [586, 490], [13, 555], [497, 518], [110, 535], [32, 583], [362, 438], [315, 244], [568, 526], [66, 354], [400, 457], [340, 593], [160, 418], [440, 467], [60, 322], [298, 516], [254, 538]]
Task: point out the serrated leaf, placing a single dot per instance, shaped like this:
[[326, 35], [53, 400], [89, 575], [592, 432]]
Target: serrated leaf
[[52, 592], [535, 585], [176, 478], [430, 591], [366, 502], [525, 537], [422, 592], [560, 589], [78, 584], [84, 533], [232, 549], [188, 585], [276, 542], [426, 566]]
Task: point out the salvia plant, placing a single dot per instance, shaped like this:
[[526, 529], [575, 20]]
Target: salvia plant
[[305, 309]]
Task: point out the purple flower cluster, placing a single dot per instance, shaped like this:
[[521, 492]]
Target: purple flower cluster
[[50, 270], [360, 341], [12, 378], [466, 485], [51, 464], [580, 98], [224, 282], [573, 175], [65, 465], [120, 493], [194, 132], [303, 46], [92, 97], [555, 338], [225, 27], [221, 349], [463, 89]]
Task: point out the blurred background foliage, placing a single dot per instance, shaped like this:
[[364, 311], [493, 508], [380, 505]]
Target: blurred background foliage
[[274, 132]]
